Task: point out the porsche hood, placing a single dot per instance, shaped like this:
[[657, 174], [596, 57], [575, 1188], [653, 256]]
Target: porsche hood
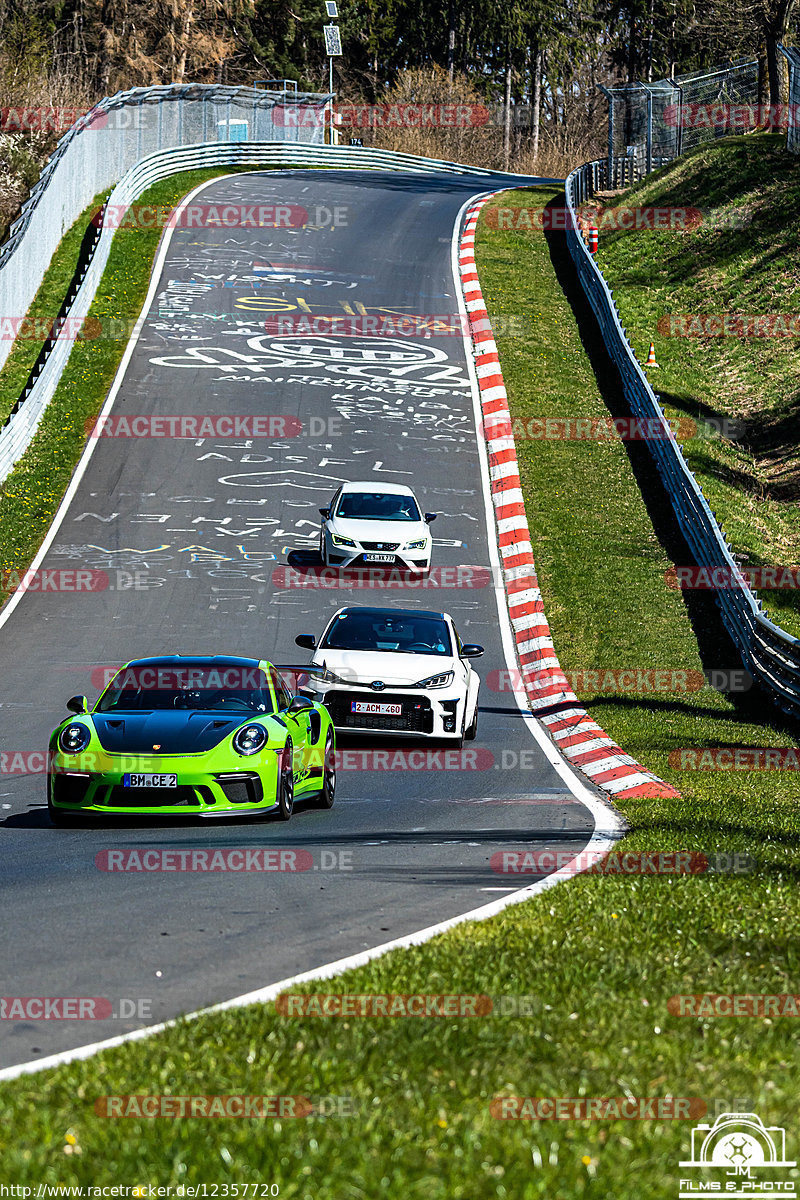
[[163, 732]]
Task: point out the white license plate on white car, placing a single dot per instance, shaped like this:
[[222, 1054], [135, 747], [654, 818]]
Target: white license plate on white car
[[150, 781], [379, 558], [373, 708]]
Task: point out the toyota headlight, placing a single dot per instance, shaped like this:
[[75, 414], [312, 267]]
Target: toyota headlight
[[323, 675], [250, 739], [73, 739], [436, 681], [420, 544], [338, 540]]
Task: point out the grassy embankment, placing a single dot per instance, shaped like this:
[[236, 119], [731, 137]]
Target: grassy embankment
[[741, 258]]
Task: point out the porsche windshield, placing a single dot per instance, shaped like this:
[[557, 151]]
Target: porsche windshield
[[197, 687], [391, 632], [377, 506]]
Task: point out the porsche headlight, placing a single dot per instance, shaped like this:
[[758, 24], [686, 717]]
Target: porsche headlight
[[420, 544], [338, 540], [436, 681], [250, 739], [73, 739]]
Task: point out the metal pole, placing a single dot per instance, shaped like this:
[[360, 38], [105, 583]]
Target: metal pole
[[330, 89], [648, 161], [609, 95]]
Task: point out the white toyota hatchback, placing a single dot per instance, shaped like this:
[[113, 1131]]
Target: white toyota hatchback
[[375, 524], [396, 671]]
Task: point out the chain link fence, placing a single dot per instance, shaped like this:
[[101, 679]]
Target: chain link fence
[[793, 116], [650, 124], [116, 134]]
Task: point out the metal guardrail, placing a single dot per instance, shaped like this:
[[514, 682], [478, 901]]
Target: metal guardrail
[[769, 653], [16, 434]]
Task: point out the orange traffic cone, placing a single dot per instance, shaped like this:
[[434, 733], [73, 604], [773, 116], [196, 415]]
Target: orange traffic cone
[[651, 358]]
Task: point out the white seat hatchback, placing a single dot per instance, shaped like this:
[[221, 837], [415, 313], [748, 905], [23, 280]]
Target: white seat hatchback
[[372, 523]]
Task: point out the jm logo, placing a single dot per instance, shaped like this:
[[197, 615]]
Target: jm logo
[[738, 1147]]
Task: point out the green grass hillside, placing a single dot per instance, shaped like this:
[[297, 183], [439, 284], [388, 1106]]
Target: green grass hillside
[[743, 258]]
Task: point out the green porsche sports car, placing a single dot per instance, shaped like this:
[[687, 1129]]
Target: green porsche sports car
[[203, 736]]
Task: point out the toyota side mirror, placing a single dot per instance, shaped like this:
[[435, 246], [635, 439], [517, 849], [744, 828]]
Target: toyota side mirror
[[299, 704], [306, 640], [471, 651], [78, 704], [325, 512], [430, 518]]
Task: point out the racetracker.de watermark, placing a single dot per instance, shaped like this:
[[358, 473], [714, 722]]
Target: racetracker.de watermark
[[630, 862], [609, 429], [235, 859], [636, 680], [729, 324], [73, 1008], [607, 220], [392, 325], [586, 1108], [56, 579], [559, 218], [193, 425], [276, 1107], [733, 1004], [436, 579], [729, 117], [736, 758], [297, 1004], [48, 118], [428, 1004], [36, 762], [639, 680], [202, 216], [44, 118], [723, 578], [382, 116]]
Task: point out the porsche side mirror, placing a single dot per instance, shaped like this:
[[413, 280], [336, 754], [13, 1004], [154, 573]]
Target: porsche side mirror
[[471, 651], [306, 640], [299, 704], [430, 518], [325, 512], [78, 704]]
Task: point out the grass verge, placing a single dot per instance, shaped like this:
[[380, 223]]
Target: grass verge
[[741, 258], [44, 308], [599, 957]]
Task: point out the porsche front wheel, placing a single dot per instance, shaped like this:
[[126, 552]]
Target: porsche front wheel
[[286, 782], [325, 797]]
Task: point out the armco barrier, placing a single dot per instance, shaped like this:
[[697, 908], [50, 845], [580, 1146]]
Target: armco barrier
[[768, 652], [16, 434]]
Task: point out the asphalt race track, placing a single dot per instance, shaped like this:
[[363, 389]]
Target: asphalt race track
[[195, 536]]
